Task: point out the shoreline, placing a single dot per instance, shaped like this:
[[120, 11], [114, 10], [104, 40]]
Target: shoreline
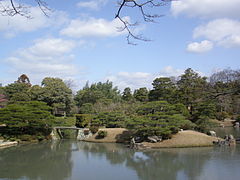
[[8, 144], [182, 139]]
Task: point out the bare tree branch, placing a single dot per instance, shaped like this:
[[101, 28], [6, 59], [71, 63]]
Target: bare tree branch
[[43, 6], [147, 17], [13, 8]]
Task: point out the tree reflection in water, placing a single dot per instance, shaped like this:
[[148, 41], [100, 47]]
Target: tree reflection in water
[[46, 161], [153, 164], [67, 160]]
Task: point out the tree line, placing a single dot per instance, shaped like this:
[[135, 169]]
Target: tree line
[[189, 101]]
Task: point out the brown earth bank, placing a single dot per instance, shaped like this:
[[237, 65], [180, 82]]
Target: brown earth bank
[[114, 135], [186, 138]]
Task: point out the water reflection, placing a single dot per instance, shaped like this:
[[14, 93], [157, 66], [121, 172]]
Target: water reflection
[[39, 161], [185, 163], [154, 164], [221, 132], [69, 160]]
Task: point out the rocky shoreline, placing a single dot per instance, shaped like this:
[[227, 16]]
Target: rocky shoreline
[[7, 143]]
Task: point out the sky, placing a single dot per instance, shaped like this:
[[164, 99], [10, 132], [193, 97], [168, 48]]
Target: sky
[[80, 41]]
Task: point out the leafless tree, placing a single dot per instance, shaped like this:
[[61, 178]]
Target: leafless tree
[[225, 76]]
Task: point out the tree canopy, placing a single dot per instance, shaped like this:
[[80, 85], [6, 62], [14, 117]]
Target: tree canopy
[[188, 102], [27, 117]]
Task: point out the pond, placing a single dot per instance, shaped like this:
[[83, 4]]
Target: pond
[[74, 160]]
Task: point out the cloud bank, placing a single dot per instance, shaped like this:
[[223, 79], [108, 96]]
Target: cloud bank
[[46, 57]]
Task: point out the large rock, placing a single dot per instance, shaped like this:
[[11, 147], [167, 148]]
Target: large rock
[[8, 144], [154, 139], [213, 133]]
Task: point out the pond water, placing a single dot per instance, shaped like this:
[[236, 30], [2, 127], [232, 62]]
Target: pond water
[[73, 160]]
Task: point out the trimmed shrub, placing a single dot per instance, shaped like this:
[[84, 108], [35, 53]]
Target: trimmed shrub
[[110, 119], [26, 137], [94, 129], [83, 120], [101, 134], [144, 132], [238, 118], [221, 115]]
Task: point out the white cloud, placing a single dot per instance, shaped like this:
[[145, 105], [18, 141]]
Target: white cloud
[[93, 5], [10, 26], [224, 32], [201, 47], [206, 8], [170, 71], [93, 28], [133, 80], [136, 80], [51, 47], [231, 41], [47, 57]]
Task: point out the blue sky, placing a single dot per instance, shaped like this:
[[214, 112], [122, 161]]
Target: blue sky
[[80, 41]]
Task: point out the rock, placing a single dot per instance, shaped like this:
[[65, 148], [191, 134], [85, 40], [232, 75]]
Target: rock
[[138, 146], [213, 133], [237, 124], [229, 140], [8, 144], [154, 139], [132, 143], [138, 139], [231, 137]]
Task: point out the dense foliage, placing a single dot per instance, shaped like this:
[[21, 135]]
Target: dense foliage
[[189, 101], [31, 118]]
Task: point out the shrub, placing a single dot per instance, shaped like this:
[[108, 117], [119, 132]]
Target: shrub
[[221, 115], [26, 118], [86, 108], [26, 137], [110, 119], [40, 138], [13, 139], [101, 134], [238, 118], [153, 131], [83, 120], [204, 124], [188, 125], [94, 129]]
